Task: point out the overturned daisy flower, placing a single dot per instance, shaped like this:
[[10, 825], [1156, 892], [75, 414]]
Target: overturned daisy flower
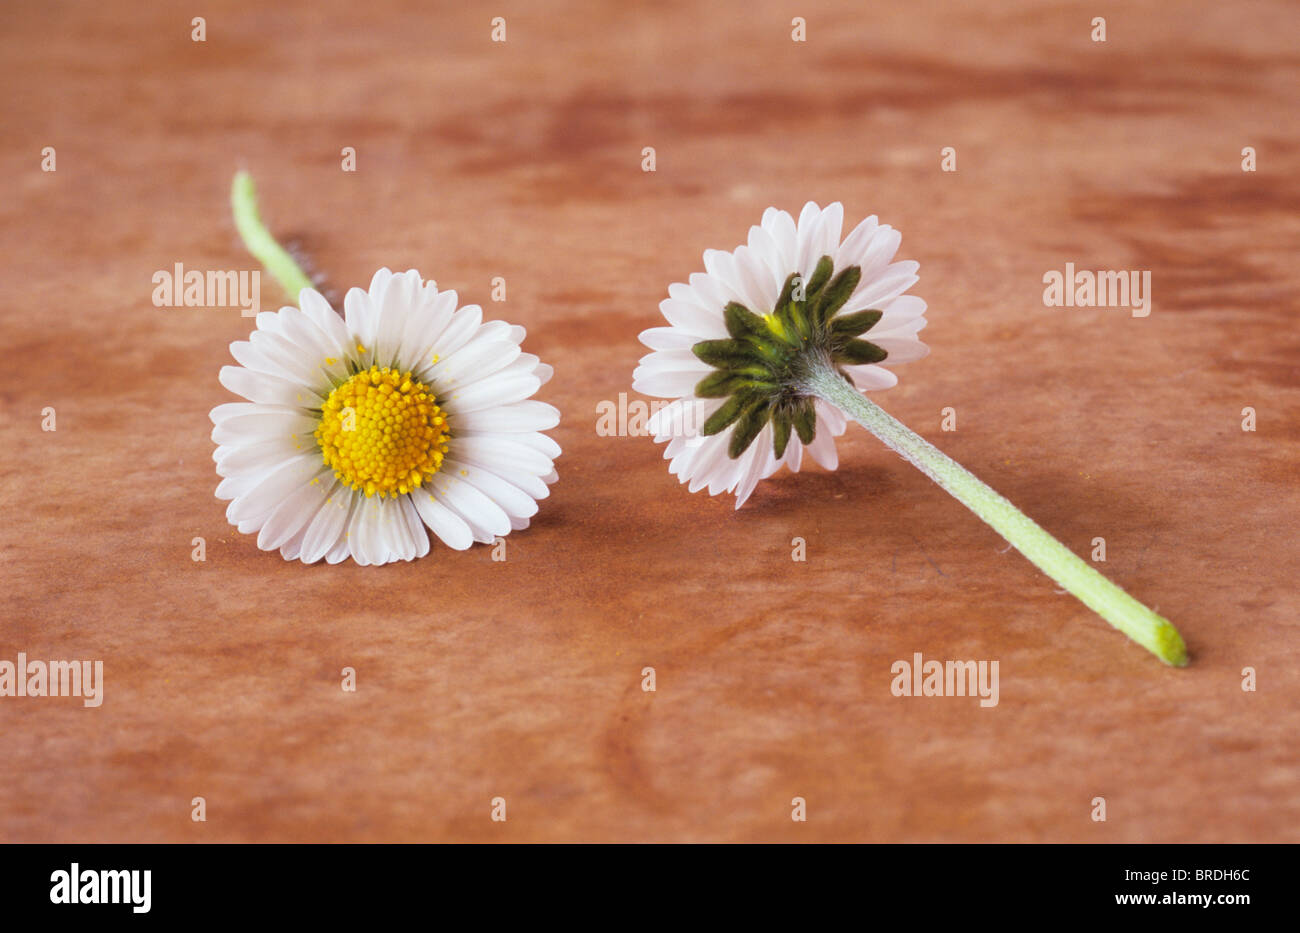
[[409, 412], [770, 349]]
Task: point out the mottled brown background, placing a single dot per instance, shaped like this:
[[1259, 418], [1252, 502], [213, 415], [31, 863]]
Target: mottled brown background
[[479, 679]]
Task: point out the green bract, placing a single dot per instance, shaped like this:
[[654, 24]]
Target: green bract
[[763, 368]]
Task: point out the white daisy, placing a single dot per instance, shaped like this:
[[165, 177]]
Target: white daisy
[[743, 333], [361, 431]]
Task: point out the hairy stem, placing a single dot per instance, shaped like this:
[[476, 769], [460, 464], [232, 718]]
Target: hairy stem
[[273, 256], [1106, 599]]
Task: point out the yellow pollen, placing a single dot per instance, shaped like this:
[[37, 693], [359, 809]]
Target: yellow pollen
[[382, 432]]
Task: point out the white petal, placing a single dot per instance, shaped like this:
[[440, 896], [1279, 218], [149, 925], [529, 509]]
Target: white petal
[[822, 448], [726, 269], [761, 463], [414, 526], [326, 528], [404, 545], [491, 393], [446, 524], [259, 387], [528, 415], [505, 450], [251, 357], [904, 306], [784, 233], [793, 458], [830, 418], [330, 345], [388, 528], [808, 218], [400, 299], [234, 486], [529, 482], [257, 457], [464, 323], [895, 328], [513, 500], [869, 377], [727, 476], [684, 417], [874, 259], [227, 410], [263, 422], [854, 247], [693, 319], [710, 459], [340, 551], [826, 236], [319, 312], [774, 271], [538, 442], [293, 547], [295, 512], [485, 518], [273, 487], [760, 286], [424, 328], [358, 540], [302, 364], [897, 279], [709, 293], [679, 359], [476, 360], [901, 350], [667, 383], [358, 315]]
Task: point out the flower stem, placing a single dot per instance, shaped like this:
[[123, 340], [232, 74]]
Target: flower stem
[[273, 256], [1124, 612]]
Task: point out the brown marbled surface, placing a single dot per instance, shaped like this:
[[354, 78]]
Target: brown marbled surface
[[522, 679]]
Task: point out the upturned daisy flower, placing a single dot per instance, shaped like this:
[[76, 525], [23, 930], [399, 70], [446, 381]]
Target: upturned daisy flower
[[362, 434], [743, 333], [770, 350]]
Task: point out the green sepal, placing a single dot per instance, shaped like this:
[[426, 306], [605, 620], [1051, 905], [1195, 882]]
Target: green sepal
[[748, 425], [787, 290], [856, 352], [791, 328], [731, 409], [821, 275], [805, 420], [836, 294], [780, 433], [742, 323], [847, 326], [723, 382], [725, 354]]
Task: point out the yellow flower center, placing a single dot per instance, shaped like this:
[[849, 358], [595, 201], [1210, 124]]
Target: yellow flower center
[[382, 432]]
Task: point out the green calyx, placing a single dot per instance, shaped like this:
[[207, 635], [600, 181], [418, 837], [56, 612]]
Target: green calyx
[[762, 369]]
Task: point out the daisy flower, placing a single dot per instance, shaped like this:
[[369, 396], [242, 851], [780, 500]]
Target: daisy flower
[[739, 331], [771, 350], [363, 434]]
